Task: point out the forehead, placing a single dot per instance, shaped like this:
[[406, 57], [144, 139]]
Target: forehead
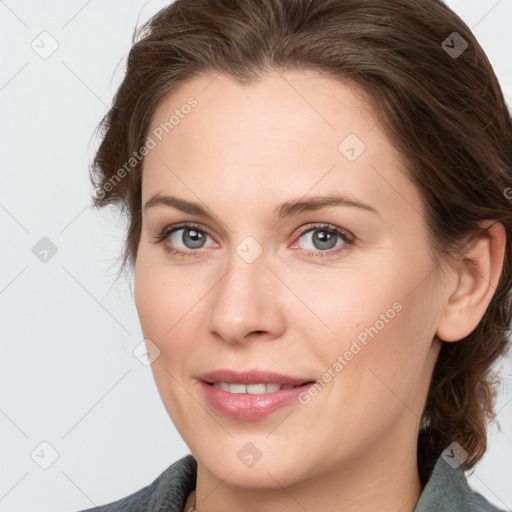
[[288, 133], [294, 108]]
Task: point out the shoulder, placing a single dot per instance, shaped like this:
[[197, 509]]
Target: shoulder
[[169, 491], [477, 503], [447, 489]]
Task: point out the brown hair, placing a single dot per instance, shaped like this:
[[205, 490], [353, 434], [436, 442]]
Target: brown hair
[[442, 109]]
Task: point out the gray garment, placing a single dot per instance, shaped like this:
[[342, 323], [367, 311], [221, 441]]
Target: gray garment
[[447, 490]]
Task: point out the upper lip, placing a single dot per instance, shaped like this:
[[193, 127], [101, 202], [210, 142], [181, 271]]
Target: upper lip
[[251, 377]]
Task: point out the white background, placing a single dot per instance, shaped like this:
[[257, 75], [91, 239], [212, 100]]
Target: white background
[[68, 376]]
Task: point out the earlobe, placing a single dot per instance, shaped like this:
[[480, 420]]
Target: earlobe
[[477, 278]]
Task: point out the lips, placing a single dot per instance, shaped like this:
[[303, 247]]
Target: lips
[[251, 406]]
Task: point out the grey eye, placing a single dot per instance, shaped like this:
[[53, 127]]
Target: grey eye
[[191, 238], [321, 238]]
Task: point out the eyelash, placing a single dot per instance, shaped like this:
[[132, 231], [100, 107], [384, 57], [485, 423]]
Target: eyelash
[[347, 238]]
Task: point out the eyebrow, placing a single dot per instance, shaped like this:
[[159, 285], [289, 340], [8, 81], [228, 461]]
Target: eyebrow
[[286, 209]]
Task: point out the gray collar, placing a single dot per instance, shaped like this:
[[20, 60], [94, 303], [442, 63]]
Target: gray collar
[[447, 490]]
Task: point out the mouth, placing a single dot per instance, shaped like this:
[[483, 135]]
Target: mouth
[[254, 389], [252, 395], [252, 378]]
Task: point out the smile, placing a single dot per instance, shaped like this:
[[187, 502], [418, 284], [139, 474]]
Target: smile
[[251, 389]]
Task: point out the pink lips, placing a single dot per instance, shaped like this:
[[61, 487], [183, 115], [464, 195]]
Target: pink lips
[[249, 407]]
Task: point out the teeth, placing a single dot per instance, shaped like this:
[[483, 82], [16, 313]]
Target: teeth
[[251, 389], [236, 388]]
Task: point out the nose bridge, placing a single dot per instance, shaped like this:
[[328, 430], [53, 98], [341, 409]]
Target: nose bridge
[[245, 301]]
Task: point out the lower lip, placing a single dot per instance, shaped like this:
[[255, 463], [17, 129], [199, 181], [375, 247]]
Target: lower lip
[[247, 407]]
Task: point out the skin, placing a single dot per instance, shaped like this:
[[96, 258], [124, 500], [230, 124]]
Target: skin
[[239, 153]]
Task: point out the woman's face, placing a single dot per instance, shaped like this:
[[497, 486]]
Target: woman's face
[[261, 285]]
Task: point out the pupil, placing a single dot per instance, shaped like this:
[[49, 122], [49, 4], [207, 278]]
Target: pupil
[[325, 239], [196, 239]]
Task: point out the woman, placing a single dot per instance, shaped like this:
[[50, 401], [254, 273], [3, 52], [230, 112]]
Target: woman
[[321, 238]]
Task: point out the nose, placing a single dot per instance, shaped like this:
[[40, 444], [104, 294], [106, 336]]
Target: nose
[[247, 302]]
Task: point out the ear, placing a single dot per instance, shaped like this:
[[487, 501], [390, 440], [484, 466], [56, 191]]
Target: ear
[[477, 277]]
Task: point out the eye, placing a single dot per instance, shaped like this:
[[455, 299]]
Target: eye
[[192, 238], [186, 238], [325, 240]]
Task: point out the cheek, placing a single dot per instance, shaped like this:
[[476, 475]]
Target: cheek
[[383, 326], [165, 309], [150, 301], [170, 302], [162, 301], [349, 304]]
